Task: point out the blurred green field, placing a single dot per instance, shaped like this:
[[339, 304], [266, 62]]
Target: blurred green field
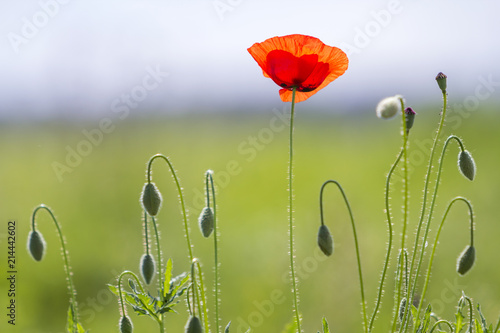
[[97, 204]]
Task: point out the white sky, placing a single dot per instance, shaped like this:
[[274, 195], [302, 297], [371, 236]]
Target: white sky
[[83, 55]]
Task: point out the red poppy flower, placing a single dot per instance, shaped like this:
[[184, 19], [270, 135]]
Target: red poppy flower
[[301, 62]]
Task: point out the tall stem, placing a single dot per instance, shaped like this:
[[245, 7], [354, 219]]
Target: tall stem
[[389, 243], [181, 198], [209, 177], [290, 218], [356, 245], [67, 268], [436, 241], [413, 280]]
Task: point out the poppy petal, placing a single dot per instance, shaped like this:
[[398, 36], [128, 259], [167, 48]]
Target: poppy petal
[[299, 61]]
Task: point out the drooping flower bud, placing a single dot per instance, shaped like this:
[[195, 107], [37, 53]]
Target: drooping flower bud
[[402, 307], [409, 118], [441, 81], [206, 221], [126, 325], [325, 240], [389, 107], [147, 268], [466, 260], [466, 164], [194, 325], [151, 199], [36, 245]]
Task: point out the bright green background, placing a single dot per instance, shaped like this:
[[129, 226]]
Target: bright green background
[[98, 207]]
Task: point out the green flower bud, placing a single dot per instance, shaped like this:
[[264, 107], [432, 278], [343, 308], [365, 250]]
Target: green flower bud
[[409, 118], [151, 199], [126, 325], [466, 260], [441, 81], [206, 221], [389, 107], [325, 240], [466, 165], [36, 245], [147, 268], [194, 325], [402, 307]]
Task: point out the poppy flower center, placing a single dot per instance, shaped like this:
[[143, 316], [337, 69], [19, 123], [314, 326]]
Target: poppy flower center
[[288, 71]]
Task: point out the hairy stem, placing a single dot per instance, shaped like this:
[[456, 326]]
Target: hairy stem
[[67, 268], [356, 245]]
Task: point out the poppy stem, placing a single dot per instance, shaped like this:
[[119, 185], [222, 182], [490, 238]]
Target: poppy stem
[[210, 180], [356, 245], [290, 217], [405, 322], [181, 198], [436, 240], [67, 268]]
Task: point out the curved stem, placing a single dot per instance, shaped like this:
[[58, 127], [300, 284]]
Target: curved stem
[[442, 321], [358, 256], [471, 311], [209, 176], [436, 240], [181, 198], [290, 218], [389, 244], [431, 211], [406, 321], [67, 268], [122, 303]]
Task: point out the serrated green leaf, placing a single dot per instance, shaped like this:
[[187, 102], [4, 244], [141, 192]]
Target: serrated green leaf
[[226, 330], [459, 316], [478, 326], [427, 318], [326, 329], [73, 326], [114, 290], [416, 321], [140, 310], [484, 325], [168, 276]]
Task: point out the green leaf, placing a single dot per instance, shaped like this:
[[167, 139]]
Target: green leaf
[[484, 325], [227, 327], [326, 329], [73, 325], [478, 326], [416, 321], [113, 289], [427, 318], [168, 276], [459, 316]]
